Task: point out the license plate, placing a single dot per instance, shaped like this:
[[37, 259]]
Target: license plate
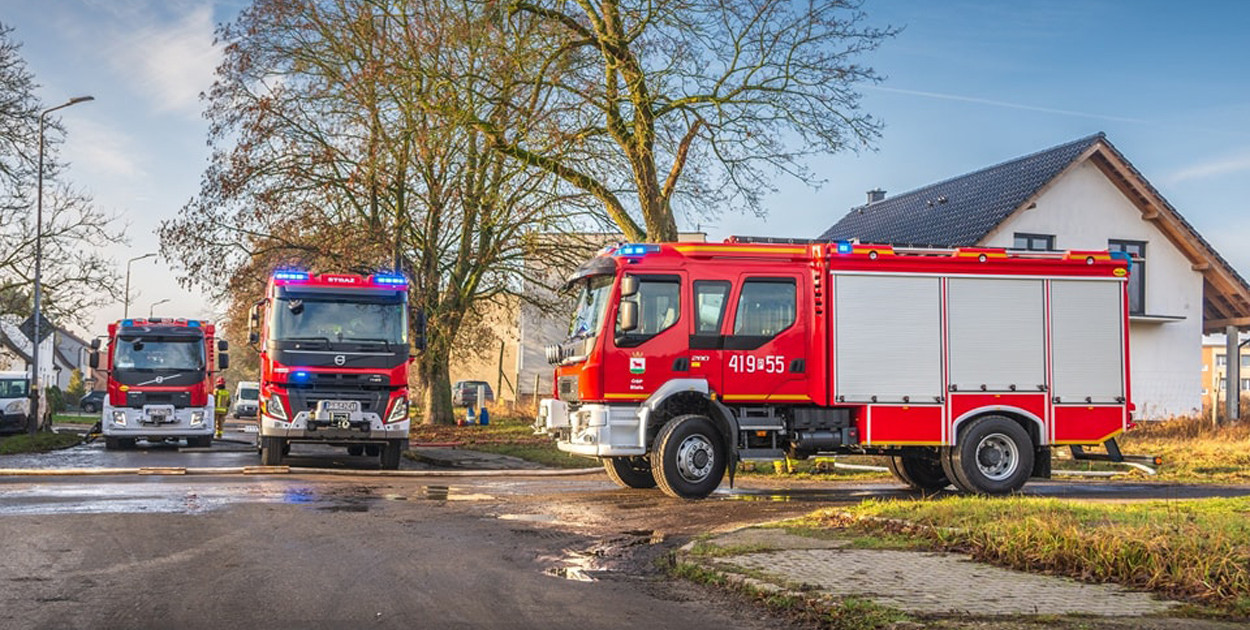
[[341, 419], [340, 405], [158, 419]]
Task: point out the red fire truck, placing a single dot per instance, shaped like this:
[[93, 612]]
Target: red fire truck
[[963, 366], [160, 380], [334, 356]]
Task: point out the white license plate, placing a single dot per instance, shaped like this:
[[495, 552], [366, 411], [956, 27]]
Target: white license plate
[[340, 405]]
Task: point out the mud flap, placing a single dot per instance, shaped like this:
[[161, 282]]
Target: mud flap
[[1041, 463], [728, 425]]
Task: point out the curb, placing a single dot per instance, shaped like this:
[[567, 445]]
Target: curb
[[285, 470]]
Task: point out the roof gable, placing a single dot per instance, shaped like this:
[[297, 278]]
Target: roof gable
[[962, 210]]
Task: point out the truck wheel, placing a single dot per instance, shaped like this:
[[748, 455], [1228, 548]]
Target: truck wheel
[[356, 450], [200, 441], [373, 450], [391, 453], [688, 458], [271, 451], [629, 472], [994, 456], [919, 472], [111, 443]]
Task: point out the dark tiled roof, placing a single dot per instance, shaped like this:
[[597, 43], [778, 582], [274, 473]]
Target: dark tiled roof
[[959, 211]]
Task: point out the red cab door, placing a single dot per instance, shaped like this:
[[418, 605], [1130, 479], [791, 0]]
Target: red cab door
[[764, 351]]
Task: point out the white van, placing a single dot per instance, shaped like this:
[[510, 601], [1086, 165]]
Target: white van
[[246, 399], [14, 401]]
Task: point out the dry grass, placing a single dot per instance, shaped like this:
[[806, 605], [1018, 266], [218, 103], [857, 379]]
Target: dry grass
[[1194, 450], [1198, 549]]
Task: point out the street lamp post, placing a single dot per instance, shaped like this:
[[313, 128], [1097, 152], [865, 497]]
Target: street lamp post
[[126, 307], [33, 418], [154, 305]]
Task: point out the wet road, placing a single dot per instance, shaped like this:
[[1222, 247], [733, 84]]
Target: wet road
[[336, 551]]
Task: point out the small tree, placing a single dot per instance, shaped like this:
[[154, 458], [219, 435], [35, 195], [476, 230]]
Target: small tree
[[76, 388]]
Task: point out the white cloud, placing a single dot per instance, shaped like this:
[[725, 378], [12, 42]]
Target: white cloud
[[101, 149], [1227, 165], [172, 61]]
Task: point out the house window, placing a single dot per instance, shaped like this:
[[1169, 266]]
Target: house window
[[1035, 242], [1205, 392], [1136, 279], [1245, 360], [1245, 384], [1221, 360]]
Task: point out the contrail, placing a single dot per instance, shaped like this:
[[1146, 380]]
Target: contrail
[[986, 101]]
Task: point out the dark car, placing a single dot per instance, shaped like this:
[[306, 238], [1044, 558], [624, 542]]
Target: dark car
[[92, 402], [464, 393]]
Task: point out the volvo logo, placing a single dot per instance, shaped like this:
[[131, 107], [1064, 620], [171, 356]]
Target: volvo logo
[[160, 379], [339, 359]]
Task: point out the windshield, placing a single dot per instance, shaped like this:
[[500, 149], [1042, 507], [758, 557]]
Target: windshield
[[249, 394], [296, 319], [592, 302], [140, 354], [13, 388]]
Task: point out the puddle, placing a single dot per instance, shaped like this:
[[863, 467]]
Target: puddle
[[599, 560], [529, 518]]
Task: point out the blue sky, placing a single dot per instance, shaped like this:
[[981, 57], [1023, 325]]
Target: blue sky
[[968, 84]]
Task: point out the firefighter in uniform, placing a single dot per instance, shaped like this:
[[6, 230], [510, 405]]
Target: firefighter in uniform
[[221, 399]]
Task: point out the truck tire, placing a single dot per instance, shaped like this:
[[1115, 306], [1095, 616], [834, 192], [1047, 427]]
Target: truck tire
[[373, 450], [919, 471], [111, 443], [629, 472], [391, 454], [200, 441], [994, 456], [271, 451], [356, 450], [688, 457]]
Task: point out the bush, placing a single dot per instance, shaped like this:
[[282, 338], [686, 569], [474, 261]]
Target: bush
[[55, 398]]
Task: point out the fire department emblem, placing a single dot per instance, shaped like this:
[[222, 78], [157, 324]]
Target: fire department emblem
[[637, 365], [339, 359]]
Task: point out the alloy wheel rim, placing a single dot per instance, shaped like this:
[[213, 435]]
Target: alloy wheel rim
[[997, 457], [695, 458]]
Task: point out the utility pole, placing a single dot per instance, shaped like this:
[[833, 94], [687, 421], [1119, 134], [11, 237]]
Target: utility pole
[[1232, 397]]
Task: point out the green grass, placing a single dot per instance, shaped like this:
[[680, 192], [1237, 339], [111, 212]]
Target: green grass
[[1195, 549], [75, 418], [42, 442], [547, 455]]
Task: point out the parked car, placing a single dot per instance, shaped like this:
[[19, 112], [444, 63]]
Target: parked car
[[464, 393], [93, 402], [246, 399]]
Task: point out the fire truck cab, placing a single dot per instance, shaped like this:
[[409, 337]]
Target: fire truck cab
[[334, 355], [963, 366]]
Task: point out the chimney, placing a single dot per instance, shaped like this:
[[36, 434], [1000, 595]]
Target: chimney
[[876, 195]]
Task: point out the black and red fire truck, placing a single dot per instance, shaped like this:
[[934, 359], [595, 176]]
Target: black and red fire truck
[[963, 366]]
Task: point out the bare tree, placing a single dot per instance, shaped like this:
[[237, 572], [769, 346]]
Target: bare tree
[[323, 155], [686, 104], [76, 276]]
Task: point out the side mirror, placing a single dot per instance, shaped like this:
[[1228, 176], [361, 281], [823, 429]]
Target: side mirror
[[253, 337], [223, 361], [627, 317], [629, 286], [93, 359], [95, 343], [223, 345], [418, 330]]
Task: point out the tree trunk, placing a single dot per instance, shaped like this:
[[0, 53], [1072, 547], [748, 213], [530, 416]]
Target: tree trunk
[[435, 387]]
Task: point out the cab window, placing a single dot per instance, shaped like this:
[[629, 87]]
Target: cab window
[[659, 307], [710, 299], [766, 307]]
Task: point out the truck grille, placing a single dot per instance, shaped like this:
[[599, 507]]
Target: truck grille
[[306, 398], [567, 388]]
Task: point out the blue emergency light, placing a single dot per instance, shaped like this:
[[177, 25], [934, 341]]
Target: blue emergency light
[[299, 376], [637, 249], [389, 279], [194, 323], [1125, 256], [291, 275], [845, 247], [128, 322]]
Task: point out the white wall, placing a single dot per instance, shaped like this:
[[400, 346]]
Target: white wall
[[1083, 209]]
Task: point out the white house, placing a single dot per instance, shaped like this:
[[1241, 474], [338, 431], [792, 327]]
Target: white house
[[60, 354], [1084, 195]]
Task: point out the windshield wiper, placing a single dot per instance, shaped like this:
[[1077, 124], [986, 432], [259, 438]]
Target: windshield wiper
[[325, 340], [368, 340]]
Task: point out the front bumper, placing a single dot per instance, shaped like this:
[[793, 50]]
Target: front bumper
[[595, 430], [13, 422], [308, 426], [245, 411], [157, 421]]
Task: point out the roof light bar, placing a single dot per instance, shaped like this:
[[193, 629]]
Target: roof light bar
[[845, 247], [389, 279], [291, 275], [1125, 256], [637, 249]]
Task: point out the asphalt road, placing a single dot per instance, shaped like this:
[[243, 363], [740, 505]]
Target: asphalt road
[[334, 551]]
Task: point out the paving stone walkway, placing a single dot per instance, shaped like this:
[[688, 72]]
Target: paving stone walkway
[[924, 582]]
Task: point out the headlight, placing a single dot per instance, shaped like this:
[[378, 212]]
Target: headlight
[[275, 407], [119, 418], [15, 406], [197, 418], [399, 411]]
